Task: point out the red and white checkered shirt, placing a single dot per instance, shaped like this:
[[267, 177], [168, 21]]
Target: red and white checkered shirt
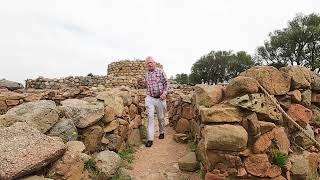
[[157, 83]]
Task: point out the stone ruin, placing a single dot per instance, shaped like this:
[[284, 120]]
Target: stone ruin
[[122, 73], [127, 73], [236, 131], [239, 132]]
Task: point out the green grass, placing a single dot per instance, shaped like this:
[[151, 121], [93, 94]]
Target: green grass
[[127, 154], [92, 168], [279, 158], [201, 172], [193, 147]]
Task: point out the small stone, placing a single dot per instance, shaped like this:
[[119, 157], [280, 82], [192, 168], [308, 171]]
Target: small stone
[[189, 162]]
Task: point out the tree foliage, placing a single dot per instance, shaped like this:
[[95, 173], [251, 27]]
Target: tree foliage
[[297, 44], [182, 78], [219, 66]]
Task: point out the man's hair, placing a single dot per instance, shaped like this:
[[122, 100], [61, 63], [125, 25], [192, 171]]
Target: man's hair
[[150, 58]]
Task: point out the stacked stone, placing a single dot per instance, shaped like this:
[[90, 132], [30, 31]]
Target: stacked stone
[[86, 131], [245, 136], [10, 99], [182, 116], [62, 83], [126, 73]]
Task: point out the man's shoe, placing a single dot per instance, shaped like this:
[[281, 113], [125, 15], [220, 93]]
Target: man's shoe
[[161, 136], [149, 143]]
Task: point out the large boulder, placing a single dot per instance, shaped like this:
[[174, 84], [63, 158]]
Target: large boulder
[[208, 95], [70, 166], [260, 104], [82, 113], [274, 81], [107, 163], [225, 137], [301, 76], [221, 113], [41, 115], [240, 86], [25, 150], [113, 101], [11, 85], [65, 129]]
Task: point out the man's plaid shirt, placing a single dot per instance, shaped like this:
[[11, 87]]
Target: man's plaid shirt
[[157, 83]]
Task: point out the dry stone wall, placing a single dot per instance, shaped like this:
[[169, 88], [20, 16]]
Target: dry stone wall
[[126, 73], [64, 136], [121, 73], [68, 82], [242, 135]]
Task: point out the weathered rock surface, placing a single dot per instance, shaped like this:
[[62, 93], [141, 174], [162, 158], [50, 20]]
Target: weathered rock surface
[[208, 95], [107, 162], [11, 85], [82, 113], [41, 115], [25, 150], [225, 137], [65, 129], [301, 77], [273, 80], [189, 162], [242, 85], [221, 113], [260, 104]]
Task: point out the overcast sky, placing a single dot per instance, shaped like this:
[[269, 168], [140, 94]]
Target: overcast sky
[[57, 38]]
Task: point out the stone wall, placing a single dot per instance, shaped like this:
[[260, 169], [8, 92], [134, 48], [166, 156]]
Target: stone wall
[[121, 73], [126, 73], [68, 82], [88, 128], [239, 132]]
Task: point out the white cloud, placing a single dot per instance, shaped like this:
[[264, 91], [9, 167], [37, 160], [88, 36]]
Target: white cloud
[[75, 37]]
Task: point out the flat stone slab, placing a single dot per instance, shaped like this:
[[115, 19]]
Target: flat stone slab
[[24, 150]]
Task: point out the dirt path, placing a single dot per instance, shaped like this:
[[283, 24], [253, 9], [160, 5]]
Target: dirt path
[[160, 162]]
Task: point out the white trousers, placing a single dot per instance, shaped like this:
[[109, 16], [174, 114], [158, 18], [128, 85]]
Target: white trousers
[[160, 106]]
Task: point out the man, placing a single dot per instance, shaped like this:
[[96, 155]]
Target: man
[[157, 88]]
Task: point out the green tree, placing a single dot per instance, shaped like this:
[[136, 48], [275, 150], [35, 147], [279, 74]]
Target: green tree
[[219, 66], [297, 44], [182, 78]]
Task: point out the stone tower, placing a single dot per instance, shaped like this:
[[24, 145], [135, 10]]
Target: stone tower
[[126, 73]]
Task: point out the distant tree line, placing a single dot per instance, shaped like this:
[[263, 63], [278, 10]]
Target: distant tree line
[[297, 44]]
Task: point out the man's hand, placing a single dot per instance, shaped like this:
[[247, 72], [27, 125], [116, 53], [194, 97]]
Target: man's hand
[[163, 97]]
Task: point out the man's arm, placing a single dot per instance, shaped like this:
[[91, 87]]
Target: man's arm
[[164, 80]]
